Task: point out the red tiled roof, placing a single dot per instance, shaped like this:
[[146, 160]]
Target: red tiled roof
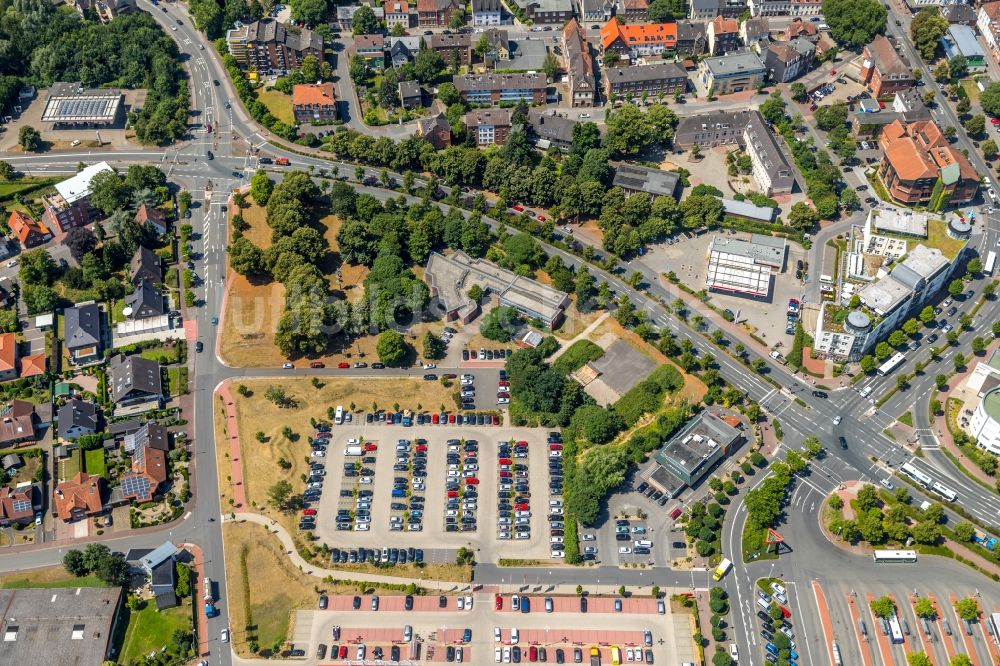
[[8, 352], [81, 493], [149, 214], [308, 94], [725, 25], [634, 34], [32, 365], [920, 150], [22, 225], [7, 497]]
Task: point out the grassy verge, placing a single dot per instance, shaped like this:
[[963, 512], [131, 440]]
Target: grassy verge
[[150, 630], [906, 419], [47, 577], [278, 103], [752, 541], [178, 376]]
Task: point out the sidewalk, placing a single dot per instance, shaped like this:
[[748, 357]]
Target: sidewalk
[[233, 436], [199, 565], [582, 335]]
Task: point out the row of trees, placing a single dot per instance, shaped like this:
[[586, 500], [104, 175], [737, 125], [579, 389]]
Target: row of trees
[[877, 524]]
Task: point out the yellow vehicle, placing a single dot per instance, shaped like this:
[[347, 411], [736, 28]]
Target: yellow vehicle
[[616, 655], [724, 566], [595, 656]]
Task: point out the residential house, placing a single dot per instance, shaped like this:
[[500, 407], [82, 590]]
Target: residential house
[[496, 89], [148, 434], [410, 94], [33, 365], [450, 47], [159, 565], [145, 267], [883, 70], [8, 356], [787, 61], [487, 12], [17, 423], [706, 10], [550, 129], [634, 11], [988, 23], [579, 65], [960, 14], [397, 12], [551, 12], [436, 130], [268, 45], [786, 7], [29, 232], [736, 72], [596, 10], [771, 166], [692, 37], [490, 126], [79, 497], [135, 380], [402, 49], [154, 217], [498, 47], [918, 160], [77, 418], [105, 10], [799, 28], [147, 474], [723, 36], [661, 79], [69, 207], [437, 13], [314, 103], [17, 505], [82, 326], [371, 49], [707, 130], [635, 40], [145, 302], [345, 16], [755, 33], [960, 40]]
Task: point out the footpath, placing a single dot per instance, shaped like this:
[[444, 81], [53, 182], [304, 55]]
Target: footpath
[[232, 433]]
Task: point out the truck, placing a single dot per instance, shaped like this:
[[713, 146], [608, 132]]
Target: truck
[[209, 597], [724, 566], [984, 540], [282, 161], [210, 609], [353, 451], [778, 357], [595, 656]]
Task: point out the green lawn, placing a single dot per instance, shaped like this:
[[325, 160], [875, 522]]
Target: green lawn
[[178, 376], [118, 311], [971, 89], [96, 463], [155, 353], [49, 578], [149, 630], [937, 236], [73, 465], [278, 103]]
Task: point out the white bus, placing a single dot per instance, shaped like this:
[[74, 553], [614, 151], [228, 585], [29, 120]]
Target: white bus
[[890, 556], [895, 633], [890, 365], [995, 619], [339, 416], [944, 491], [991, 261], [915, 474]]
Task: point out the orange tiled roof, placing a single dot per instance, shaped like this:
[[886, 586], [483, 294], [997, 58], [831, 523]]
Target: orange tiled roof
[[920, 150], [308, 94], [637, 34], [82, 492], [7, 497], [22, 225], [8, 352], [724, 25], [32, 365]]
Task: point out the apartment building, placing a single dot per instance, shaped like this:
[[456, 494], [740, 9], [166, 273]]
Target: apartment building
[[489, 127], [788, 61], [692, 38], [988, 23], [371, 48], [437, 13], [723, 36], [736, 72], [707, 130], [661, 79], [917, 159], [786, 7], [397, 12], [638, 41], [269, 45], [883, 70], [579, 65], [771, 165], [446, 45], [487, 12], [70, 207], [314, 102], [495, 89]]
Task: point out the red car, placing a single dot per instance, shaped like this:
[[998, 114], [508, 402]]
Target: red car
[[785, 612], [496, 420], [318, 364], [451, 418], [533, 653], [522, 443], [343, 366], [995, 121], [504, 474], [473, 481], [434, 418], [522, 507], [449, 375], [473, 354], [518, 207], [503, 394], [541, 218], [498, 602], [343, 652], [422, 447], [308, 512], [371, 446], [504, 461], [452, 493], [555, 447]]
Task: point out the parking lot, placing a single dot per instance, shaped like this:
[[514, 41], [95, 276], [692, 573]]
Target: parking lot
[[443, 629], [366, 464]]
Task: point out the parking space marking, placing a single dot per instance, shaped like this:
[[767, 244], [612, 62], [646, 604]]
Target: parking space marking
[[925, 641], [907, 640], [970, 648], [946, 639], [884, 647], [991, 644], [824, 615]]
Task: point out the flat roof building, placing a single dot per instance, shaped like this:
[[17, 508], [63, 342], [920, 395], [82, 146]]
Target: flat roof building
[[450, 278], [733, 72], [70, 105], [899, 221], [692, 452], [744, 267], [654, 182], [960, 40], [65, 626], [985, 423]]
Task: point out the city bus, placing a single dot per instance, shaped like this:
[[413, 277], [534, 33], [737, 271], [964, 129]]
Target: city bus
[[890, 365], [915, 474], [895, 633], [995, 619], [944, 491], [991, 262], [883, 556]]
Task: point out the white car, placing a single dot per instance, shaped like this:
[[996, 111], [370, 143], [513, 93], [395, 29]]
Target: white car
[[557, 554], [366, 480], [174, 28], [430, 366], [468, 377], [734, 651], [589, 537], [992, 193], [362, 527], [506, 655], [497, 637], [319, 454], [461, 603], [522, 535], [515, 636], [555, 539], [585, 115], [498, 655], [468, 602], [287, 366], [224, 636], [12, 263], [624, 550], [467, 382], [786, 631], [503, 401]]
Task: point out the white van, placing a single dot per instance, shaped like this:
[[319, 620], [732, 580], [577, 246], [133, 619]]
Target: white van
[[866, 391], [643, 543], [339, 415]]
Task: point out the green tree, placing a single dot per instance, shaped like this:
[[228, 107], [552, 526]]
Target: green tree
[[7, 171], [942, 73], [964, 531], [958, 66], [74, 563], [803, 216], [926, 29], [29, 139], [911, 327], [924, 607], [868, 364], [883, 607], [960, 659], [434, 346], [391, 348], [976, 125], [500, 323], [364, 22], [312, 12], [853, 23], [867, 498], [989, 99], [918, 659], [261, 185], [835, 502], [798, 91], [927, 315], [427, 65], [967, 608]]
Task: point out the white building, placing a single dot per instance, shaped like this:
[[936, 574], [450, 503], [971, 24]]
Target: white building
[[985, 424], [487, 12], [744, 267]]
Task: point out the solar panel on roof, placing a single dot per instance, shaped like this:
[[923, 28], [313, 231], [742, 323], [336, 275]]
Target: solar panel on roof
[[21, 505], [135, 485]]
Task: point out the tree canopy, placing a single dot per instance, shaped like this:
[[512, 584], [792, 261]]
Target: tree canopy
[[854, 23]]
